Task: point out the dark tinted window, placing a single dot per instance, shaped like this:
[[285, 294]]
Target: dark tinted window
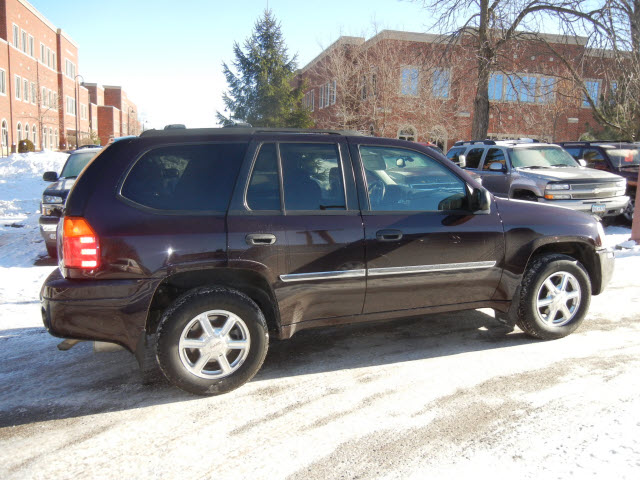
[[454, 154], [574, 152], [312, 177], [186, 177], [494, 155], [473, 157], [594, 158], [263, 192]]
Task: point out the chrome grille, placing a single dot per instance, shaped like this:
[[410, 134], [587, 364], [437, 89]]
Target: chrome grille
[[584, 191]]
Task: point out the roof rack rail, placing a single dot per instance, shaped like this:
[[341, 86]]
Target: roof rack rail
[[589, 142], [244, 131], [473, 142]]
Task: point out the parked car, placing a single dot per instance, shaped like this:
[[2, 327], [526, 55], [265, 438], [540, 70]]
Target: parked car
[[541, 172], [201, 244], [621, 158], [55, 194]]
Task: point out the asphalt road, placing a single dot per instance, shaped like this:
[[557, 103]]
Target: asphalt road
[[444, 396]]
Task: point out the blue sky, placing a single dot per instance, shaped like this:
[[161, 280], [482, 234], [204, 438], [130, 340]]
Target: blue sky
[[168, 55]]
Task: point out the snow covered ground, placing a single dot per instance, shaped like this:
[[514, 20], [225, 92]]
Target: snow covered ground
[[447, 396]]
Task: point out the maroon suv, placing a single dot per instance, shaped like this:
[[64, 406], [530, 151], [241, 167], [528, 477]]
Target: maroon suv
[[208, 241]]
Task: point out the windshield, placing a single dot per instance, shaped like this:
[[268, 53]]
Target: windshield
[[541, 157], [76, 162], [624, 157]]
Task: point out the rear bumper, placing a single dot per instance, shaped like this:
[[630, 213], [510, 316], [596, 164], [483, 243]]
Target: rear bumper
[[612, 206], [104, 310], [606, 261]]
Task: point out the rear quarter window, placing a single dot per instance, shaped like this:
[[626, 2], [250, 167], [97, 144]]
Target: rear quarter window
[[185, 177]]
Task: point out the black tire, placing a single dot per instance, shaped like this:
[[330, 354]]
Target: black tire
[[52, 250], [526, 196], [627, 215], [540, 269], [176, 365]]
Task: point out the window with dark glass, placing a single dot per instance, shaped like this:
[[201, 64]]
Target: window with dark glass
[[494, 155], [185, 177], [473, 157], [573, 151], [263, 192], [312, 177], [405, 180], [594, 158]]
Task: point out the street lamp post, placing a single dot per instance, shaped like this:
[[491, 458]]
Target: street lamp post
[[76, 85]]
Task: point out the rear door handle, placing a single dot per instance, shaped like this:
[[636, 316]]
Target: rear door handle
[[260, 239], [388, 235]]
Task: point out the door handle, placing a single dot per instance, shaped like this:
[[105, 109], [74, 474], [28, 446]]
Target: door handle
[[260, 239], [388, 235]]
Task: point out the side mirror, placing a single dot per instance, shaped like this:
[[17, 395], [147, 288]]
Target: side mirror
[[462, 161], [401, 163], [582, 162], [50, 176], [480, 201], [497, 167]]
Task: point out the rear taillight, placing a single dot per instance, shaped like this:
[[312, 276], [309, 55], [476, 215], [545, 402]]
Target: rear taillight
[[80, 244]]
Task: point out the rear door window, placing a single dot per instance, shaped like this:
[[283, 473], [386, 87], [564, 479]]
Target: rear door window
[[454, 154], [494, 155], [263, 192], [594, 159], [185, 177], [312, 177]]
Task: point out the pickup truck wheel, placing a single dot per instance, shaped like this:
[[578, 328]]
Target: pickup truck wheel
[[211, 341], [628, 211], [554, 298]]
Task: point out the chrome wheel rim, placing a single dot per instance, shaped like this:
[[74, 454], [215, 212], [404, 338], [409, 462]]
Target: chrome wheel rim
[[558, 299], [214, 344], [628, 211]]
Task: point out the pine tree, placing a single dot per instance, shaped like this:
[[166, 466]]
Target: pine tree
[[260, 93]]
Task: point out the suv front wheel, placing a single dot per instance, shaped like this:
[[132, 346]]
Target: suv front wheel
[[554, 298], [212, 340]]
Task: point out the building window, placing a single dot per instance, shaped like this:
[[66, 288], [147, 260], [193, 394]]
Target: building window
[[42, 55], [71, 106], [33, 93], [69, 69], [31, 46], [48, 57], [309, 100], [44, 137], [24, 41], [16, 36], [333, 92], [18, 87], [408, 133], [409, 82], [5, 134], [496, 82], [56, 137], [321, 97], [51, 138], [593, 89], [374, 84], [327, 94], [440, 83], [44, 97], [3, 82], [26, 90], [52, 104], [545, 90], [19, 131], [521, 89], [34, 135]]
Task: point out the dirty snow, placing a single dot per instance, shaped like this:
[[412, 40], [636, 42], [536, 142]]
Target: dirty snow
[[446, 396]]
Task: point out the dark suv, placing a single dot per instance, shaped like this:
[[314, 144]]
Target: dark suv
[[206, 242], [621, 158]]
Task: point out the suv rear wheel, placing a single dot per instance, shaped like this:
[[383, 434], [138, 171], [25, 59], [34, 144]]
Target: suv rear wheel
[[554, 298], [211, 341]]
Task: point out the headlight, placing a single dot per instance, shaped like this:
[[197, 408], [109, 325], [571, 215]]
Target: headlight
[[51, 199], [558, 186]]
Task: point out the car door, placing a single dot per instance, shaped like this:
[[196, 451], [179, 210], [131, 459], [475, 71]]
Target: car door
[[423, 246], [497, 182], [297, 219]]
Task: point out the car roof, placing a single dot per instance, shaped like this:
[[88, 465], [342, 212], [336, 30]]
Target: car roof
[[241, 131]]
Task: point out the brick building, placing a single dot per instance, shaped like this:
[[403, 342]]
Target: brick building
[[401, 84], [41, 97]]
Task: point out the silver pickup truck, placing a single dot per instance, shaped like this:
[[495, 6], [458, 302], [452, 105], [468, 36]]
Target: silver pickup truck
[[541, 172]]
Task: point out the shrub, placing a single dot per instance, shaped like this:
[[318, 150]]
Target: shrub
[[26, 146]]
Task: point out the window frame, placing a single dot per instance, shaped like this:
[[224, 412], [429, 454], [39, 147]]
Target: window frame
[[486, 154], [417, 80], [18, 80], [440, 74], [584, 102], [3, 82], [25, 90], [16, 36], [365, 193]]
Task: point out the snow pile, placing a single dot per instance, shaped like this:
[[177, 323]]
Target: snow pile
[[21, 183]]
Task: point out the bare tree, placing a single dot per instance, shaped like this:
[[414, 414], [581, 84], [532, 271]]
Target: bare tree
[[487, 27]]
